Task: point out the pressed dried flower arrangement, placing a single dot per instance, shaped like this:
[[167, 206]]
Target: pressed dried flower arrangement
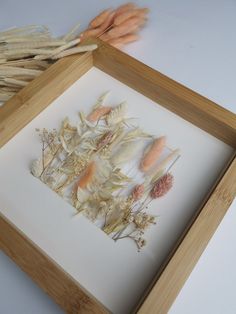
[[44, 267], [84, 164]]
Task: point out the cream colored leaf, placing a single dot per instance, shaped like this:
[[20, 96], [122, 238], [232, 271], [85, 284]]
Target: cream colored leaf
[[101, 100], [117, 114], [36, 168], [126, 152], [82, 195]]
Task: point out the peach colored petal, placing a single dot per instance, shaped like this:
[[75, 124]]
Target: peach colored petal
[[98, 113], [153, 154]]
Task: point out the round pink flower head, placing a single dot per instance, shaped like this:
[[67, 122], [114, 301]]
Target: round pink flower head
[[137, 192], [162, 186]]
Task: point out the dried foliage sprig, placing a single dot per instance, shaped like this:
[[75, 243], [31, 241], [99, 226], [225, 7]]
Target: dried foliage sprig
[[84, 165], [34, 48], [119, 26]]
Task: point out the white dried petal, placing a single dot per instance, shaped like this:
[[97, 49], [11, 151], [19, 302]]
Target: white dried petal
[[101, 100], [64, 145], [37, 168], [126, 152], [135, 134], [117, 114], [82, 195]]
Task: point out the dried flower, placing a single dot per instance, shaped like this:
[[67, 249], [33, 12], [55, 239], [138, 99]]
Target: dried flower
[[82, 164], [87, 177], [125, 153], [117, 27], [137, 192], [98, 113], [153, 153], [105, 140], [143, 220], [141, 242], [162, 186], [37, 168], [164, 163], [117, 114]]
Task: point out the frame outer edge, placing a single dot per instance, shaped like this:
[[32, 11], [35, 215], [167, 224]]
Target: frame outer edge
[[171, 280]]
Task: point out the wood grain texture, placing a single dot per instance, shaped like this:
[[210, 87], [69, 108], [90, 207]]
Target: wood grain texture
[[31, 100], [169, 283], [44, 271], [177, 98]]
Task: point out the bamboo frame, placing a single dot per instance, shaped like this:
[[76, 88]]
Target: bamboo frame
[[219, 122]]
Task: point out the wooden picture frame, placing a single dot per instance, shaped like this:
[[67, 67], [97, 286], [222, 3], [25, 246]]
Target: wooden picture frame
[[31, 100]]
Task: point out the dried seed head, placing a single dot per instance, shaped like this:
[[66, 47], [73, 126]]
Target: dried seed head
[[143, 220], [162, 186], [141, 242], [137, 192], [106, 139]]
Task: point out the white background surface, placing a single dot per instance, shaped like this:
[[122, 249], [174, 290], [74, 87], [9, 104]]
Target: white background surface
[[194, 43]]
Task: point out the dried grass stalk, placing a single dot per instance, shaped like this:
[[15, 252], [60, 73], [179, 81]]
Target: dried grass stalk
[[73, 51], [16, 82], [153, 153]]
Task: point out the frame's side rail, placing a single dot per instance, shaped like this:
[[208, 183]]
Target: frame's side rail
[[181, 264], [35, 97], [45, 272], [191, 106]]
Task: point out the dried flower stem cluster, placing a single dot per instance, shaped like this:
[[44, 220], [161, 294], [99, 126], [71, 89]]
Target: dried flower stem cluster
[[118, 27], [85, 164], [27, 51]]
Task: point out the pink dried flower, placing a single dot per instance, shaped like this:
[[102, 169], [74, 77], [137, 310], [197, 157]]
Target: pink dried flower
[[106, 139], [98, 113], [137, 192], [162, 186]]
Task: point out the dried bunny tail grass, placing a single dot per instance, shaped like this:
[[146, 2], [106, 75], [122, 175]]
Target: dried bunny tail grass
[[125, 7], [101, 18], [172, 156], [58, 50], [107, 23], [72, 51], [5, 96], [27, 63], [117, 114], [29, 38], [35, 44], [94, 32], [162, 186], [121, 18], [16, 82], [15, 30], [72, 34], [27, 51], [138, 192], [98, 113], [9, 71], [29, 32], [130, 26], [153, 153], [118, 42], [87, 176]]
